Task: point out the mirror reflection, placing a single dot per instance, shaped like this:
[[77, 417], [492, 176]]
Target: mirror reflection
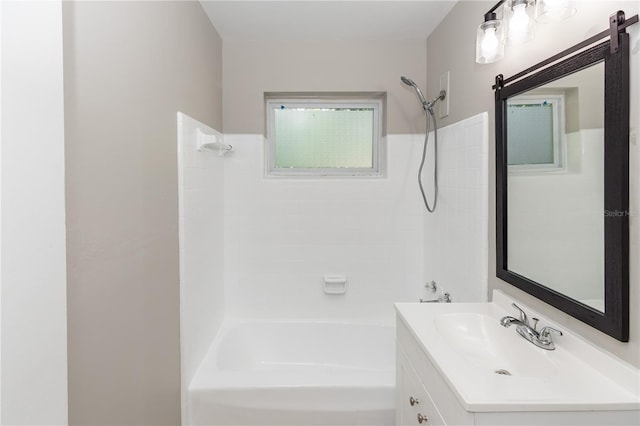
[[555, 183]]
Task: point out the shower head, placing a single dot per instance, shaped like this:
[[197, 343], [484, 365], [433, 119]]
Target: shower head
[[411, 83], [425, 105], [407, 81]]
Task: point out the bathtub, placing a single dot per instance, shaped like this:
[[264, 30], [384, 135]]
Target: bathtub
[[296, 373]]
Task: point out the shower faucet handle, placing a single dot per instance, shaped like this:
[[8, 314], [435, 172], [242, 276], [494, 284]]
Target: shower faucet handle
[[431, 286]]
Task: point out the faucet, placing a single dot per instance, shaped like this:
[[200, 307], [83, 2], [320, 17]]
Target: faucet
[[433, 287], [541, 339], [445, 298]]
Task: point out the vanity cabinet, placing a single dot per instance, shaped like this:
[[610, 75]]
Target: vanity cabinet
[[417, 378], [435, 401], [413, 402]]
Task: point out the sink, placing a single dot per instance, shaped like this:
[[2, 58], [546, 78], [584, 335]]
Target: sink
[[484, 343], [491, 368]]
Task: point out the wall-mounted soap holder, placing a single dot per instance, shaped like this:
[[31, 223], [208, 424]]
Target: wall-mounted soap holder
[[335, 284]]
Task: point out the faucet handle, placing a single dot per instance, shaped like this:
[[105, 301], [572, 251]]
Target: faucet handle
[[535, 323], [545, 333], [431, 286], [445, 298], [523, 316]]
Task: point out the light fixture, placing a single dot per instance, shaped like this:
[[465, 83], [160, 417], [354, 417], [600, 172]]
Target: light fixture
[[489, 40], [554, 10], [519, 16], [516, 25]]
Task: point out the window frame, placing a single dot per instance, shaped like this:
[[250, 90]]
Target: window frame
[[559, 133], [375, 101]]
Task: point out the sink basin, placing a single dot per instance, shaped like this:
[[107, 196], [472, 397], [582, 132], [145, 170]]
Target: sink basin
[[491, 368], [484, 343]]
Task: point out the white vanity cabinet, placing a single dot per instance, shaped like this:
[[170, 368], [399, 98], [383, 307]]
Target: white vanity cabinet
[[417, 378], [413, 402], [437, 385]]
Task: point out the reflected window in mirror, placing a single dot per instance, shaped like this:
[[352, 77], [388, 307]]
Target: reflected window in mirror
[[536, 132]]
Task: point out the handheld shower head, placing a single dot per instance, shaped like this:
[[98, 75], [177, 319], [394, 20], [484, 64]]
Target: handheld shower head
[[431, 117], [425, 105], [411, 83], [407, 81]]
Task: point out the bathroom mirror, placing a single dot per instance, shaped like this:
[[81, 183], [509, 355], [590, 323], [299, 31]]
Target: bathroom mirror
[[555, 185], [562, 179]]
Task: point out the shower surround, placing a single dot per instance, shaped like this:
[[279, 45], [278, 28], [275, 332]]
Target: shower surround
[[256, 250], [282, 235], [456, 234]]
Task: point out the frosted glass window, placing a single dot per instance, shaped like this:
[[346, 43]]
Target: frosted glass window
[[530, 127], [535, 132], [324, 138]]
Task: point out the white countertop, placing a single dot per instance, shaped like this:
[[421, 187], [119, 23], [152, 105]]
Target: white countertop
[[460, 339]]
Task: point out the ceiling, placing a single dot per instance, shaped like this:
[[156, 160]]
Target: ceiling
[[323, 20]]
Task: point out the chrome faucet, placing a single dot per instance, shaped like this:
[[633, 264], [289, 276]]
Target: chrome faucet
[[445, 298], [541, 339], [433, 288]]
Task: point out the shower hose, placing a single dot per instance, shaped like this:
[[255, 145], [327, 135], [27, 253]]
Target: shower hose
[[430, 117]]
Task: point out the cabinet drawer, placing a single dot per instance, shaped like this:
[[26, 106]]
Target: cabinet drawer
[[416, 406], [443, 397]]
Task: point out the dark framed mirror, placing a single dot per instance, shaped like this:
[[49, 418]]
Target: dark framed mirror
[[562, 180]]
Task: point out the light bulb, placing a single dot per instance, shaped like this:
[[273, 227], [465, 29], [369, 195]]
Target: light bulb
[[520, 20], [489, 46], [489, 43], [553, 10]]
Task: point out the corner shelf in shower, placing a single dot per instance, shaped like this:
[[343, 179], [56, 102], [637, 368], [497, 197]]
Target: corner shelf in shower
[[212, 141]]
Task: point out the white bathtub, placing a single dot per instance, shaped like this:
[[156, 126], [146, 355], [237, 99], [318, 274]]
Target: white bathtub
[[296, 373]]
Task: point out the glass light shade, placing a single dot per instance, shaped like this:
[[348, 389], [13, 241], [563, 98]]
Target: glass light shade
[[489, 42], [554, 10], [519, 19]]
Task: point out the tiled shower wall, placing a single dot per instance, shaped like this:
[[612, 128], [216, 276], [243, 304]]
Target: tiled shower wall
[[201, 221], [455, 235], [259, 247], [283, 234]]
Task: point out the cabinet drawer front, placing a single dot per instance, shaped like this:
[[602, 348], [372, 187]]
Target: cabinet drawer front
[[416, 406], [448, 405]]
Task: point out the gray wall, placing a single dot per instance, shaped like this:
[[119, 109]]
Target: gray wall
[[452, 48], [129, 67], [254, 67], [584, 98]]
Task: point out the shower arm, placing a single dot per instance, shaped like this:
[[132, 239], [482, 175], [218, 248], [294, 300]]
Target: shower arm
[[441, 96]]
